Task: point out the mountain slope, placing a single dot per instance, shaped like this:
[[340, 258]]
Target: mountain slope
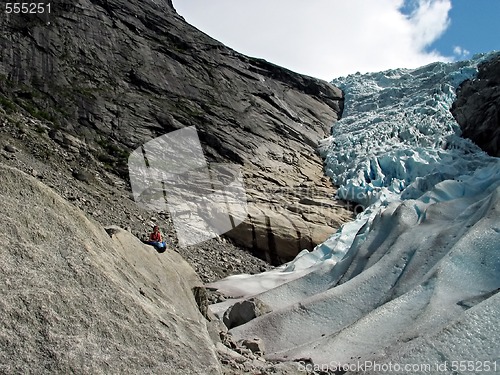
[[118, 73]]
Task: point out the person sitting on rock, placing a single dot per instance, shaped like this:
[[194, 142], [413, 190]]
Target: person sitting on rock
[[155, 236], [156, 240]]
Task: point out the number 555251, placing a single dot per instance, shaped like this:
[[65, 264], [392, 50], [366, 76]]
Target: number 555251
[[27, 8]]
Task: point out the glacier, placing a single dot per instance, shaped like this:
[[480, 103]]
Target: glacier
[[415, 277]]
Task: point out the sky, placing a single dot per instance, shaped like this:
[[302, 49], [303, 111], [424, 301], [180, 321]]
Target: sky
[[333, 38]]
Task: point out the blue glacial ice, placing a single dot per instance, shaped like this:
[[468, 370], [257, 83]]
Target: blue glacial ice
[[397, 127], [415, 278]]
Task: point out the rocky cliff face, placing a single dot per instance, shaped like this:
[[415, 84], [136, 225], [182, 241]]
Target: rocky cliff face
[[477, 108], [114, 74]]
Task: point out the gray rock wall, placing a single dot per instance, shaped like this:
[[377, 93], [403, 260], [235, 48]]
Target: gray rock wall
[[116, 73], [477, 108]]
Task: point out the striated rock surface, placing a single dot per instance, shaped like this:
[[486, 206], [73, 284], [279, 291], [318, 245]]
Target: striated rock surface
[[76, 299], [104, 196], [114, 74], [477, 108]]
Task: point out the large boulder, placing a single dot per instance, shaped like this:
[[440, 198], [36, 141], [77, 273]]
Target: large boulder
[[244, 311], [77, 299], [477, 107]]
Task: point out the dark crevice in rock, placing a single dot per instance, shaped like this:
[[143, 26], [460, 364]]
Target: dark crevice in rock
[[271, 243], [298, 234]]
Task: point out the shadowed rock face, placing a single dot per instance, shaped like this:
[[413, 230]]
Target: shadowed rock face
[[477, 108], [116, 74]]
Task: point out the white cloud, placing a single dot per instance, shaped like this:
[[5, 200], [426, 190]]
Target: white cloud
[[460, 52], [429, 21], [325, 38]]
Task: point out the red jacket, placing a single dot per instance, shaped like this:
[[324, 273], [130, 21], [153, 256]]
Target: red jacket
[[155, 236]]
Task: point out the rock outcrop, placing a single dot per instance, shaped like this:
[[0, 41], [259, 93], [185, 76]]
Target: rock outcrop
[[477, 107], [75, 299], [244, 311], [113, 74]]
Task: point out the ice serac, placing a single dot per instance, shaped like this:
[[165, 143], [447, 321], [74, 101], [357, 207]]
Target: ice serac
[[416, 277], [117, 74], [477, 108]]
